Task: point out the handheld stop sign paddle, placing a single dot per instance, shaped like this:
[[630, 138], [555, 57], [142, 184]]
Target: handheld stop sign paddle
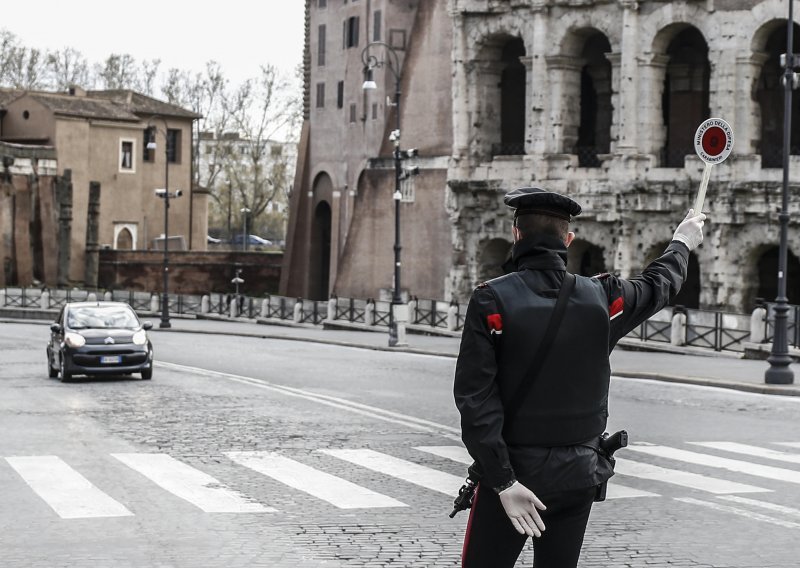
[[713, 142]]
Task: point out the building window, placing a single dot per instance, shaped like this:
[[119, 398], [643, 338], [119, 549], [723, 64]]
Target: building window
[[173, 146], [126, 149], [352, 112], [397, 39], [322, 3], [350, 38], [149, 135], [376, 25], [408, 190], [374, 111], [321, 45], [340, 94], [320, 95]]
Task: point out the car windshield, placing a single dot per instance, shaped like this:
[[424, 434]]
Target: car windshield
[[85, 317]]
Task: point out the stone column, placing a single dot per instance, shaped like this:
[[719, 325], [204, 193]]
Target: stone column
[[64, 199], [23, 252], [618, 118], [746, 120], [625, 78], [564, 75], [539, 125], [92, 229], [462, 70], [648, 113], [6, 232], [49, 233]]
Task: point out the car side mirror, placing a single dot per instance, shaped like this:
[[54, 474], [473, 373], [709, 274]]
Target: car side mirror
[[55, 327], [148, 325]]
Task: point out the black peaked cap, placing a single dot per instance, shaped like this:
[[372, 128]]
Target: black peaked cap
[[537, 200]]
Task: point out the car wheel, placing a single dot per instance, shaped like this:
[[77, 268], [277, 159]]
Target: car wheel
[[63, 375], [147, 374], [51, 372]]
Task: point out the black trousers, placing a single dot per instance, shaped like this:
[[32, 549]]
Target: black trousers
[[492, 542]]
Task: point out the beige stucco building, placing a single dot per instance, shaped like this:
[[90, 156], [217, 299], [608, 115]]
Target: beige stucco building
[[597, 99], [102, 136]]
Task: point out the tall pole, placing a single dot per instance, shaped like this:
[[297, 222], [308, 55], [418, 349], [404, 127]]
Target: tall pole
[[165, 298], [779, 371], [396, 300]]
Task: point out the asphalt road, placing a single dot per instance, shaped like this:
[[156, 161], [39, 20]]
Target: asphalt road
[[257, 452]]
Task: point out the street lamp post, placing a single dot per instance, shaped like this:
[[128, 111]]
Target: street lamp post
[[779, 371], [165, 195], [371, 62]]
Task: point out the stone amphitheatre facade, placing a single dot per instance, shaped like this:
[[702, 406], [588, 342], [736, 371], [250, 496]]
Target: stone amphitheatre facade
[[597, 99]]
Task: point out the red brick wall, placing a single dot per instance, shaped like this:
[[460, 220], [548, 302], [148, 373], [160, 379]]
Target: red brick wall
[[190, 272]]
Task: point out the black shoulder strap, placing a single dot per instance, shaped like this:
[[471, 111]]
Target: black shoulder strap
[[544, 347]]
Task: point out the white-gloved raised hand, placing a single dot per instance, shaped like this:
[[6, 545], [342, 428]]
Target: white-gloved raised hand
[[520, 505], [690, 231]]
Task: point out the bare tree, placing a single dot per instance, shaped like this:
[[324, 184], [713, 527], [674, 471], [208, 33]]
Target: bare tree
[[67, 67], [20, 67], [117, 72]]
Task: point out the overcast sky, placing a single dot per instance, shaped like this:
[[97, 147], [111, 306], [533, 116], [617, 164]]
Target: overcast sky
[[239, 34]]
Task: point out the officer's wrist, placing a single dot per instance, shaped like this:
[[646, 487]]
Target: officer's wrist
[[500, 488]]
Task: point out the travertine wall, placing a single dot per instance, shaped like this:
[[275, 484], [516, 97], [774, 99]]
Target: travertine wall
[[631, 202]]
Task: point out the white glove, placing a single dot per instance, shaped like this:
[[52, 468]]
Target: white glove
[[520, 505], [690, 231]]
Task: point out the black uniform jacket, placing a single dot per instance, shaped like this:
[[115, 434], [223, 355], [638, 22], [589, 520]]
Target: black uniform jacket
[[484, 371]]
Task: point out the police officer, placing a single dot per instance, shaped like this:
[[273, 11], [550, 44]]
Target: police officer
[[540, 470]]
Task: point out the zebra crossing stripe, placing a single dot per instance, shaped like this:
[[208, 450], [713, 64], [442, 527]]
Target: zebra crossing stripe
[[683, 478], [335, 490], [461, 455], [190, 484], [738, 466], [763, 505], [66, 491], [789, 444], [754, 451], [395, 467], [741, 512]]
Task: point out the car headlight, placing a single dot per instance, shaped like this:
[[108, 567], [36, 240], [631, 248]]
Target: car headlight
[[74, 339], [140, 337]]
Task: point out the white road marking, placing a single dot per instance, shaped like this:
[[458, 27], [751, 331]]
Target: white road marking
[[741, 512], [461, 455], [754, 451], [617, 491], [66, 491], [190, 484], [407, 471], [763, 504], [683, 478], [335, 490], [335, 402], [738, 466], [789, 444], [456, 453]]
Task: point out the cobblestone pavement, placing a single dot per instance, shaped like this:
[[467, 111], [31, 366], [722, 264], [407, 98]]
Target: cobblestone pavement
[[197, 418]]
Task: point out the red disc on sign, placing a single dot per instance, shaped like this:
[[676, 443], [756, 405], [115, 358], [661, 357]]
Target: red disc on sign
[[714, 140]]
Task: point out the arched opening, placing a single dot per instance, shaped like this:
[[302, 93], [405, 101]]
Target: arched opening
[[585, 259], [494, 254], [124, 240], [512, 99], [594, 131], [769, 95], [320, 261], [684, 103], [768, 276]]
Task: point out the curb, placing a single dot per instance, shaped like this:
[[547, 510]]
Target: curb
[[699, 381]]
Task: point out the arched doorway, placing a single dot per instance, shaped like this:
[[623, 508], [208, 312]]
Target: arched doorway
[[594, 131], [768, 276], [684, 103], [320, 261], [769, 94], [512, 99], [125, 240], [585, 258], [493, 256]]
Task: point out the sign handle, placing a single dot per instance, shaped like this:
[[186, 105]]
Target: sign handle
[[701, 194]]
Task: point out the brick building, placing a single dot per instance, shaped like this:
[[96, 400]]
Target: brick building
[[595, 99], [102, 136]]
